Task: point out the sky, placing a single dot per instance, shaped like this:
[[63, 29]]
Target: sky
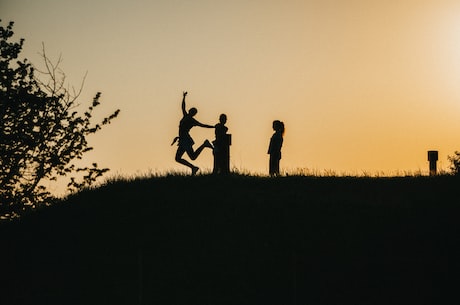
[[363, 86]]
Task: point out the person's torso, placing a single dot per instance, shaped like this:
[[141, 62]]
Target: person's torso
[[186, 124], [221, 132], [276, 143]]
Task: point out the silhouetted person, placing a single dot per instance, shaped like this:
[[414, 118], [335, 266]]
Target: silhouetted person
[[185, 140], [221, 149], [274, 149]]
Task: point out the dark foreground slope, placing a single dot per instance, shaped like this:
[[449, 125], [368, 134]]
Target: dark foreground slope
[[240, 240]]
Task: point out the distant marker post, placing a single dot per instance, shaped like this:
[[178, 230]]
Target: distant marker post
[[433, 159]]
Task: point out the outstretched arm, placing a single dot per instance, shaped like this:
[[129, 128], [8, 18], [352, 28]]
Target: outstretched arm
[[203, 125], [184, 94]]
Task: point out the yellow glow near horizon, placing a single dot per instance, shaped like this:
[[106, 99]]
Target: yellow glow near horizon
[[361, 85]]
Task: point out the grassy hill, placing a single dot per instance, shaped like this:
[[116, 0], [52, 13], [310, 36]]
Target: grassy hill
[[239, 240]]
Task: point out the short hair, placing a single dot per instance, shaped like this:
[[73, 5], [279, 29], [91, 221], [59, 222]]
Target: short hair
[[278, 126], [192, 111]]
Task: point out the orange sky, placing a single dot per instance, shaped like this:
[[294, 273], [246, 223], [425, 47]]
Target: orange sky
[[362, 86]]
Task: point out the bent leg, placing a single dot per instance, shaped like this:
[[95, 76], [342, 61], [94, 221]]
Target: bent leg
[[180, 152], [194, 154]]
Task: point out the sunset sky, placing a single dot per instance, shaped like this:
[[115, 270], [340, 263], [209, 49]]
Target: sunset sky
[[364, 86]]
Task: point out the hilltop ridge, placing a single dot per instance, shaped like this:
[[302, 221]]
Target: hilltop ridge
[[240, 240]]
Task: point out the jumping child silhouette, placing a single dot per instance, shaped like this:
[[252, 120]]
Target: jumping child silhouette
[[185, 140]]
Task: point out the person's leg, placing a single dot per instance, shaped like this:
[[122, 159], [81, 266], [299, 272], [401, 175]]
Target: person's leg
[[271, 166], [194, 154], [274, 166], [189, 151], [277, 167], [180, 152]]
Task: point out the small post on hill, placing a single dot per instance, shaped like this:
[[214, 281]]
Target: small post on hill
[[433, 158], [226, 165], [222, 155]]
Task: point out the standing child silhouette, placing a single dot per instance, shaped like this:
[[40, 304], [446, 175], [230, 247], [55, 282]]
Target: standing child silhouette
[[274, 149], [221, 147], [185, 140]]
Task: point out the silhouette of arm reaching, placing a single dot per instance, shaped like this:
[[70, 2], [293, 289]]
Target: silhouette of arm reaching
[[203, 125], [184, 111], [191, 114]]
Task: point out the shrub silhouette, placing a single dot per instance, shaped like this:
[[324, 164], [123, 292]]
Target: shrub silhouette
[[41, 134], [455, 163]]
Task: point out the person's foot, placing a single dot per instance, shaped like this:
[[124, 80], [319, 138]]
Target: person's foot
[[194, 170], [208, 144]]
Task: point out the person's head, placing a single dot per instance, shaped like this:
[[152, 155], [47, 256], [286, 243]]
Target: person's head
[[223, 118], [278, 126], [192, 111]]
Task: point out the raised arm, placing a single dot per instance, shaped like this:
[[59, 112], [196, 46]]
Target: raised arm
[[184, 111]]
